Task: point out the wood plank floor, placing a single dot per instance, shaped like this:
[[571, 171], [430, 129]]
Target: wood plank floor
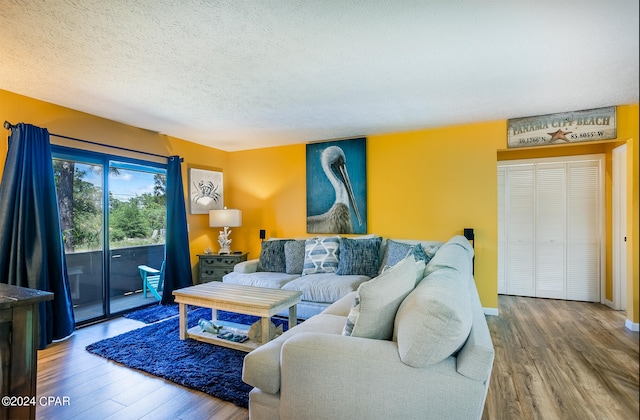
[[554, 360], [562, 360]]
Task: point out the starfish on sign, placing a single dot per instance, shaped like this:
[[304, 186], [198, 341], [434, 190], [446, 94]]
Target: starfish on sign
[[559, 135]]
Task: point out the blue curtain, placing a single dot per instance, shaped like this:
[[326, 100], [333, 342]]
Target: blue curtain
[[177, 269], [31, 250]]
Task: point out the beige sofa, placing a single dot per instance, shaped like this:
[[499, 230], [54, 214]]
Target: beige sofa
[[436, 364], [319, 289]]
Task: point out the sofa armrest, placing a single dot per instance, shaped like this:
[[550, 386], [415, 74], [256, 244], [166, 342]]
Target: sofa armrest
[[249, 266], [475, 359], [335, 376]]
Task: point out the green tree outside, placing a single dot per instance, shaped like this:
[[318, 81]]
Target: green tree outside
[[140, 220]]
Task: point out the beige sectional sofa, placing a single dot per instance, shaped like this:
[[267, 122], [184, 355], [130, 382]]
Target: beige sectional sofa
[[436, 363]]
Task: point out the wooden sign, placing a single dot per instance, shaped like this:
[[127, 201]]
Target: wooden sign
[[563, 128]]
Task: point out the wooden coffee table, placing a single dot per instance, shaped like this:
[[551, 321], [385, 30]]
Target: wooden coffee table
[[248, 300]]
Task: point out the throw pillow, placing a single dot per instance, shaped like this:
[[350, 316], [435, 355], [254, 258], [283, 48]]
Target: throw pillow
[[378, 299], [394, 253], [272, 256], [420, 254], [294, 256], [397, 251], [359, 256], [434, 321], [321, 255]]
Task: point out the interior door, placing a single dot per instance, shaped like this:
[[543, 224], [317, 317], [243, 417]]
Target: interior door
[[502, 249], [520, 235], [550, 228], [551, 225], [584, 212]]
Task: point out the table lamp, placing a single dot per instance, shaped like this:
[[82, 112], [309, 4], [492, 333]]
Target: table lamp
[[225, 218]]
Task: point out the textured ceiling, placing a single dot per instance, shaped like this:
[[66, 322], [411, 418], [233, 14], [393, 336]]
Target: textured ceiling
[[246, 74]]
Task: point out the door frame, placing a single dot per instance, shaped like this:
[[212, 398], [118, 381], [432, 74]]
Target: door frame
[[600, 157], [619, 227], [106, 161]]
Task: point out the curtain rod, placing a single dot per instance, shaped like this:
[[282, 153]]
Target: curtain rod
[[9, 126]]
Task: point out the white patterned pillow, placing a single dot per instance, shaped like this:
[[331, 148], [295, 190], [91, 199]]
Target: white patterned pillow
[[321, 255]]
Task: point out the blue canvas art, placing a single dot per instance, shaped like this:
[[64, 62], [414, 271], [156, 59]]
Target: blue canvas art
[[337, 186]]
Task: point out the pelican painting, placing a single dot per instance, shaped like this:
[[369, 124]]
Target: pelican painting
[[336, 187]]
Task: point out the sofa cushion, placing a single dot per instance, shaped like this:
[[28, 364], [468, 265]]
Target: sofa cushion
[[321, 255], [342, 306], [294, 256], [434, 321], [260, 279], [272, 256], [359, 256], [377, 301], [325, 287]]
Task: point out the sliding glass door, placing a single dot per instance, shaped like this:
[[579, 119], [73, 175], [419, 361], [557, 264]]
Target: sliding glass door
[[80, 188], [137, 221], [113, 214]]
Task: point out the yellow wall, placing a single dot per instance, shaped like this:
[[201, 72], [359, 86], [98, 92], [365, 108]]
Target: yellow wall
[[64, 121], [427, 184]]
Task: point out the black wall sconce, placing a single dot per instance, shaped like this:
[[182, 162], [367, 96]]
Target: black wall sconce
[[263, 234], [468, 233], [471, 237]]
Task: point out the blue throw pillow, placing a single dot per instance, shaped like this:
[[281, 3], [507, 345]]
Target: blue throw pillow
[[294, 256], [272, 256], [420, 254], [398, 251], [359, 256]]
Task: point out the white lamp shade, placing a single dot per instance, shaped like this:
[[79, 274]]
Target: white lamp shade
[[225, 218]]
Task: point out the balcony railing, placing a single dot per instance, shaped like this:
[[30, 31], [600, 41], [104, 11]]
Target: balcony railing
[[125, 285]]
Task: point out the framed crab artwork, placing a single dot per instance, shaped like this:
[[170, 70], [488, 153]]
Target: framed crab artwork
[[205, 190]]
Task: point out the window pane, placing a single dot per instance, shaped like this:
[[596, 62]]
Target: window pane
[[80, 188], [137, 206], [137, 220]]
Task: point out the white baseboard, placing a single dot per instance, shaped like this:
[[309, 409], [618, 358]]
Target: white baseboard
[[633, 326], [491, 311]]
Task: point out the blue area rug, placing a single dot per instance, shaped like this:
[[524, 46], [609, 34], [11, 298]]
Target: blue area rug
[[158, 350], [153, 313]]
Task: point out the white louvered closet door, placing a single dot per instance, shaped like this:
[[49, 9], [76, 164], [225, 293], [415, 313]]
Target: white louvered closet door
[[502, 235], [549, 228], [520, 230], [551, 221], [583, 231]]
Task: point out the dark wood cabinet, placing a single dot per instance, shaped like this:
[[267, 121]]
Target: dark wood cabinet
[[19, 350], [213, 266]]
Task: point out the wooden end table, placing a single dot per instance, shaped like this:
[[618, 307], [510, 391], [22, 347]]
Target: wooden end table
[[248, 300], [212, 267]]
